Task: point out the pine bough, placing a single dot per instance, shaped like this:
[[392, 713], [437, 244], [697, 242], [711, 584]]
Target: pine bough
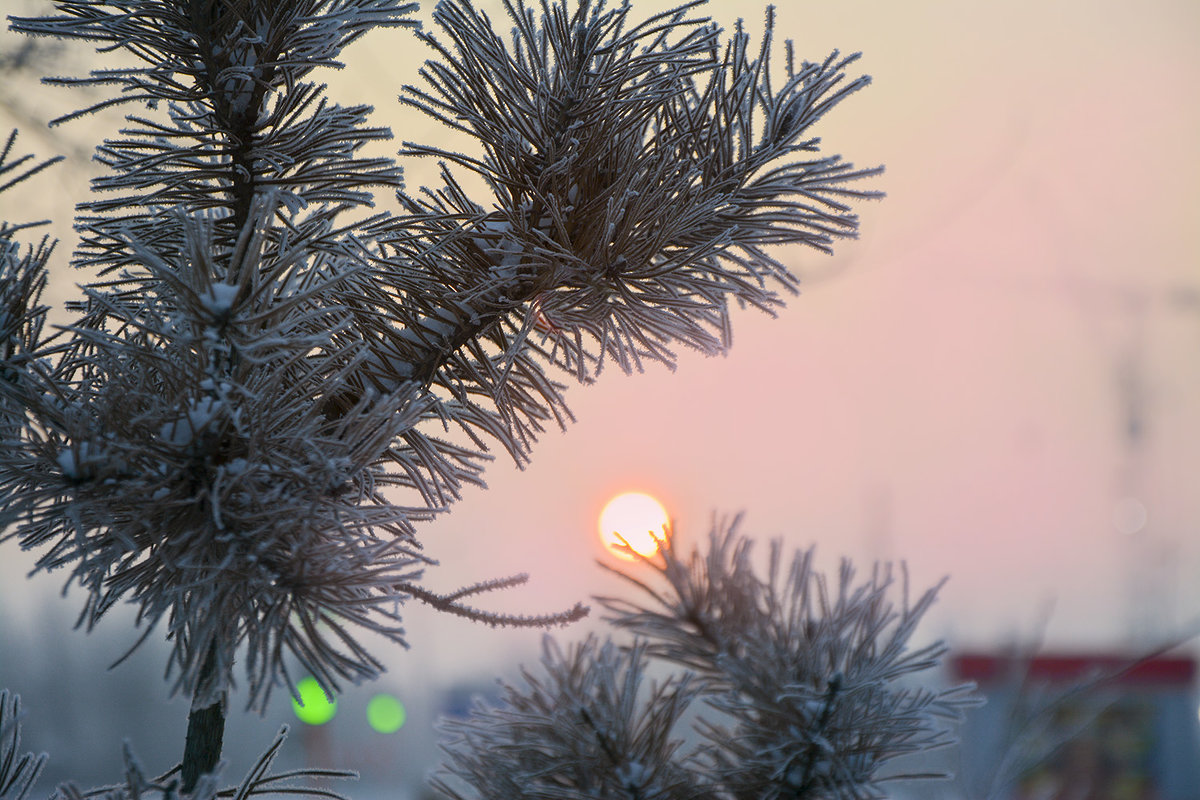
[[805, 690], [268, 386]]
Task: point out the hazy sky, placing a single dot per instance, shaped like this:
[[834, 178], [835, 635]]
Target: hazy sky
[[946, 390]]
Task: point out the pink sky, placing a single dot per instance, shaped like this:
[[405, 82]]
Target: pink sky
[[944, 391]]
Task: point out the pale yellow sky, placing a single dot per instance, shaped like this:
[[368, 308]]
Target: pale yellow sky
[[945, 389]]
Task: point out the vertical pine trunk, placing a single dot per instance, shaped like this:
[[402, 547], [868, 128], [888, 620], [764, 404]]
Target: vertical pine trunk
[[206, 729]]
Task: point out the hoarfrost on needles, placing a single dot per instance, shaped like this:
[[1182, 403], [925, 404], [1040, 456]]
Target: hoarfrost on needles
[[219, 298], [301, 383]]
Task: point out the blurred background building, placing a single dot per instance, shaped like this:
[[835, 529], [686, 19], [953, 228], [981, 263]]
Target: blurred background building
[[1094, 726]]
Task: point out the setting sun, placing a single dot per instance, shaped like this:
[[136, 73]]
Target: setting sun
[[633, 518]]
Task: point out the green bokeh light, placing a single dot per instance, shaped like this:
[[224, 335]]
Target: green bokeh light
[[317, 708], [385, 713]]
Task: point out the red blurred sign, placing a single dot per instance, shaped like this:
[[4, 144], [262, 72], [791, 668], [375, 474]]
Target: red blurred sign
[[982, 668], [1098, 726]]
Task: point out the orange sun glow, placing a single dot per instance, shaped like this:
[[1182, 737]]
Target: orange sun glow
[[633, 518]]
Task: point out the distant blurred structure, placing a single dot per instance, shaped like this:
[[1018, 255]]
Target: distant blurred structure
[[1152, 580], [1081, 727]]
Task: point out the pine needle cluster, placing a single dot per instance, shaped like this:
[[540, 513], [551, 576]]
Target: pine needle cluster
[[798, 686], [213, 436], [18, 771], [268, 386]]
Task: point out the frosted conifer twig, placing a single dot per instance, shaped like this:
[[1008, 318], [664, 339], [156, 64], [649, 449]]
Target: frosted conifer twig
[[795, 688], [271, 385], [259, 780], [809, 674], [18, 771], [588, 724], [250, 360]]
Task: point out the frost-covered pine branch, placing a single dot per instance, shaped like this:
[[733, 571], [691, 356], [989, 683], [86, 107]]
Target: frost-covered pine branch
[[270, 386], [588, 725], [18, 771], [811, 674], [258, 780], [804, 687], [22, 318]]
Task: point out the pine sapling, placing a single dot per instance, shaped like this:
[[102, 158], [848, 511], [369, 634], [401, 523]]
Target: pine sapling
[[268, 387]]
